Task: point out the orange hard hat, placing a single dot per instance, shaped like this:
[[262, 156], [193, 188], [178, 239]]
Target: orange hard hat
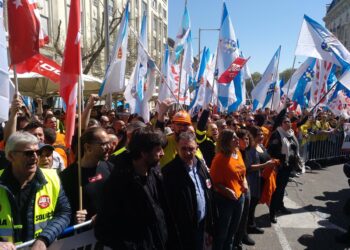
[[182, 117]]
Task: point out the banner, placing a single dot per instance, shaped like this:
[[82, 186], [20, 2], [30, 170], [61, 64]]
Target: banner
[[41, 65], [84, 240], [232, 70]]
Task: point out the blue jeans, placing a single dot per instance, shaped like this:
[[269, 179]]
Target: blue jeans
[[230, 212]]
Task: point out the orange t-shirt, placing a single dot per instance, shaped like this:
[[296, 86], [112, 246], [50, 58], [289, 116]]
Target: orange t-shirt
[[267, 135], [229, 172]]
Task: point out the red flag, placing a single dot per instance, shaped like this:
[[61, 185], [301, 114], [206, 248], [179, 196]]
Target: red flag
[[41, 65], [71, 68], [232, 71], [25, 32]]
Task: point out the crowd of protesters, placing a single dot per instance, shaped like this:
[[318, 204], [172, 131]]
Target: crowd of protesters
[[176, 182]]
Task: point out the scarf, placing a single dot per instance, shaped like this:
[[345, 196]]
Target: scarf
[[288, 138]]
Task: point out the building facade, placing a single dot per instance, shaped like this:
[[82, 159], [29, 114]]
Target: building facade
[[55, 15], [337, 20]]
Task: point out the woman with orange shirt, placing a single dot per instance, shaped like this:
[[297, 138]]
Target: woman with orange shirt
[[229, 178]]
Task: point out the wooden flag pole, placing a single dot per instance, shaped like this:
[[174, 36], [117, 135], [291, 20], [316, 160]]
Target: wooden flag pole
[[16, 79], [80, 83]]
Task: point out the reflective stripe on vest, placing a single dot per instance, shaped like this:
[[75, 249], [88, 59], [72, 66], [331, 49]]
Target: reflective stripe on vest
[[44, 207], [119, 151]]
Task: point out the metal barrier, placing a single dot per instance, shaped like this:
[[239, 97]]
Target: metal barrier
[[66, 231], [323, 146]]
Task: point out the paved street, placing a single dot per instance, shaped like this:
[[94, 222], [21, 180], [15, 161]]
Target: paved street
[[317, 202]]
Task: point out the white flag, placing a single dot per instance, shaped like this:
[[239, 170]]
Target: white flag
[[115, 76]]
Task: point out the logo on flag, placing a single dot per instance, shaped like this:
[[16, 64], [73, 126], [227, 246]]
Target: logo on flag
[[229, 46], [271, 88], [308, 75], [325, 47]]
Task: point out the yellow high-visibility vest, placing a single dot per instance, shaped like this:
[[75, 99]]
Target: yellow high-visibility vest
[[44, 207]]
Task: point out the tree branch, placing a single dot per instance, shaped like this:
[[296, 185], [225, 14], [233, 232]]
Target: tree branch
[[55, 44]]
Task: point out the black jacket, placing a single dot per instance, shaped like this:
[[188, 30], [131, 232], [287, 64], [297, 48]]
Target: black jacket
[[92, 179], [134, 214], [54, 227], [181, 193]]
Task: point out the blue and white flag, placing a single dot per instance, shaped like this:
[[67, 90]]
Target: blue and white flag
[[300, 82], [266, 88], [227, 45], [142, 81], [340, 104], [167, 83], [183, 47], [183, 35], [203, 91], [273, 101], [115, 74], [318, 42]]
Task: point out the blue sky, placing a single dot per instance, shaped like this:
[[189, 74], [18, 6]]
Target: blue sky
[[260, 26]]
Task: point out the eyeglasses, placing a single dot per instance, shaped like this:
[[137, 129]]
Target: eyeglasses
[[28, 153], [250, 120], [286, 121], [188, 149], [102, 144]]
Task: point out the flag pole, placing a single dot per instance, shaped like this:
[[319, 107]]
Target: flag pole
[[109, 98], [278, 63], [291, 78], [156, 67], [181, 61], [80, 83], [324, 96], [16, 79], [80, 96]]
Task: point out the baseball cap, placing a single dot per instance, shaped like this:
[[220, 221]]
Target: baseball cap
[[182, 117], [43, 146]]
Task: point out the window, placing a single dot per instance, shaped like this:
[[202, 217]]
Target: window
[[164, 13], [94, 30], [137, 23], [44, 17], [155, 23], [160, 28], [165, 33], [136, 4], [154, 4], [45, 24], [110, 8], [154, 43], [144, 7]]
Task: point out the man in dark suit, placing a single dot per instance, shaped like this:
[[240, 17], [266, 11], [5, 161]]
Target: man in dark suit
[[189, 191]]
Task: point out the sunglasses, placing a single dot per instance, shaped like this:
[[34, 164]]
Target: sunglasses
[[28, 153]]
